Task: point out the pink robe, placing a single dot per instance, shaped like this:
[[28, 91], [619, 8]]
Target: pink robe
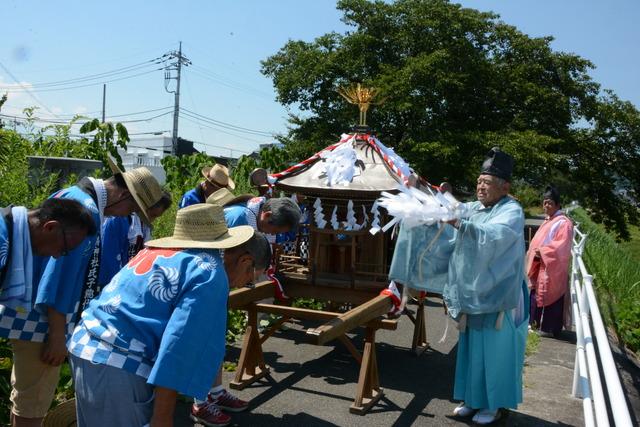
[[548, 274]]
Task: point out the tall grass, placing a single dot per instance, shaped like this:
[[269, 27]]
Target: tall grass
[[616, 279]]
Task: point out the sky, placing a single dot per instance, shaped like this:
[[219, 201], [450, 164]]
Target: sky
[[64, 51]]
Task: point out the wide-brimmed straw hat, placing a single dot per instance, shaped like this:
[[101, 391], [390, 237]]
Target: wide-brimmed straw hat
[[224, 197], [218, 175], [143, 186], [203, 226], [258, 178], [63, 415]]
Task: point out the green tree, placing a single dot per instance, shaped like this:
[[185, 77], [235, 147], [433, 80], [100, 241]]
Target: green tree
[[457, 82]]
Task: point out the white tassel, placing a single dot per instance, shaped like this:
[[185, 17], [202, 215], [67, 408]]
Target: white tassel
[[334, 218], [351, 217], [318, 214], [375, 222]]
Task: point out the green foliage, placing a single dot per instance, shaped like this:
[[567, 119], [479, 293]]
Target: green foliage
[[526, 194], [310, 303], [183, 172], [533, 342], [236, 325], [457, 82], [633, 245], [616, 280], [52, 141], [6, 358]]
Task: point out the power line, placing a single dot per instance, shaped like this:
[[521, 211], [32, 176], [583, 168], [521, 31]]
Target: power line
[[222, 131], [106, 74], [222, 147], [140, 112], [236, 86], [85, 85], [79, 122], [27, 90], [227, 125]]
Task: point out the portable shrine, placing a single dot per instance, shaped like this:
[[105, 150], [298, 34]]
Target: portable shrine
[[335, 257]]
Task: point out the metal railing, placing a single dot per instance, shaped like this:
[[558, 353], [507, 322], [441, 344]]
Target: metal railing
[[586, 375]]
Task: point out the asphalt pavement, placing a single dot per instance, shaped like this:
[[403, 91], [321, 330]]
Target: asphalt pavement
[[315, 385]]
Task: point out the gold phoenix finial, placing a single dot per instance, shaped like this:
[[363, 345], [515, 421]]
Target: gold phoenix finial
[[361, 96]]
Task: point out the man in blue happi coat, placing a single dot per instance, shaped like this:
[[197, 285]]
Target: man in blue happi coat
[[215, 178], [27, 237], [267, 216], [163, 314], [477, 264], [67, 283]]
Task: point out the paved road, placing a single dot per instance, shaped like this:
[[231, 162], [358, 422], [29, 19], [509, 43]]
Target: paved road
[[315, 385]]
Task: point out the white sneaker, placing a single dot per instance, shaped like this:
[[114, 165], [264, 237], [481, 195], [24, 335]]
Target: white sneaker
[[463, 411], [486, 416]]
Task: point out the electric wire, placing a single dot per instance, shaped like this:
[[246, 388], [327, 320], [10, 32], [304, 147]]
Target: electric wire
[[35, 98], [106, 74], [228, 125], [222, 131], [84, 85]]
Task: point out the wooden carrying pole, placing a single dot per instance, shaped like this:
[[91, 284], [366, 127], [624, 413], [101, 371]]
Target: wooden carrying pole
[[242, 297], [360, 315]]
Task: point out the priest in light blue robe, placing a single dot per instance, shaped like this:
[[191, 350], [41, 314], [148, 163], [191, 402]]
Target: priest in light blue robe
[[477, 263]]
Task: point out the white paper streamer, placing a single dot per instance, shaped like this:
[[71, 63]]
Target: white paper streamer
[[334, 218], [318, 214], [339, 165], [415, 207]]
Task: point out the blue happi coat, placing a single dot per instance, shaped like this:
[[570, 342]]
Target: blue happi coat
[[57, 283], [192, 197], [159, 317]]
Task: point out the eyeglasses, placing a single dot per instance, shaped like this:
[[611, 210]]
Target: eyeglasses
[[65, 247]]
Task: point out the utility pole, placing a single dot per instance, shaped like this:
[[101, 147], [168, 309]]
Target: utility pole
[[174, 61], [104, 98]]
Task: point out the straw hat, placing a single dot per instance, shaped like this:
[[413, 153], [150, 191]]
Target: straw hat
[[218, 175], [203, 226], [224, 197], [63, 415], [258, 178], [142, 185]]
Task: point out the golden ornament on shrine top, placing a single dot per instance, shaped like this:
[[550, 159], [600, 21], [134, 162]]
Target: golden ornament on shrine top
[[363, 97]]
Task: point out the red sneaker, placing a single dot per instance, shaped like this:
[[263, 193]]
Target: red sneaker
[[227, 402], [209, 415]]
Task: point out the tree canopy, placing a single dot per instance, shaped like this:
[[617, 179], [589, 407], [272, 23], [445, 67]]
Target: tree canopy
[[457, 82]]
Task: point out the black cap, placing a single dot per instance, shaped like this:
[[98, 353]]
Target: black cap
[[551, 193], [498, 163]]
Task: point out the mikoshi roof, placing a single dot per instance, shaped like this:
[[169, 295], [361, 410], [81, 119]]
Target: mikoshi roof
[[359, 165]]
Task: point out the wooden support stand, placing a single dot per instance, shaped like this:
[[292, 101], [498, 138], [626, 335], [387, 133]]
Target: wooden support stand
[[368, 391], [420, 344], [251, 366]]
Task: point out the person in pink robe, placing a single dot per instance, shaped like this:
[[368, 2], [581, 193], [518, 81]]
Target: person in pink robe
[[547, 266]]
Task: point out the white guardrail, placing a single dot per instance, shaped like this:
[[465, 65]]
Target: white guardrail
[[586, 375]]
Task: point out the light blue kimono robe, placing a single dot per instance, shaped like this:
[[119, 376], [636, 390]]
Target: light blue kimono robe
[[479, 268]]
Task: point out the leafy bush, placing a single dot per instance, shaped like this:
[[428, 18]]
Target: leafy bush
[[527, 195], [183, 172], [616, 280]]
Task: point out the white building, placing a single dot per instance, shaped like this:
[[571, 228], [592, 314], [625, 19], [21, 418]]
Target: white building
[[147, 152]]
